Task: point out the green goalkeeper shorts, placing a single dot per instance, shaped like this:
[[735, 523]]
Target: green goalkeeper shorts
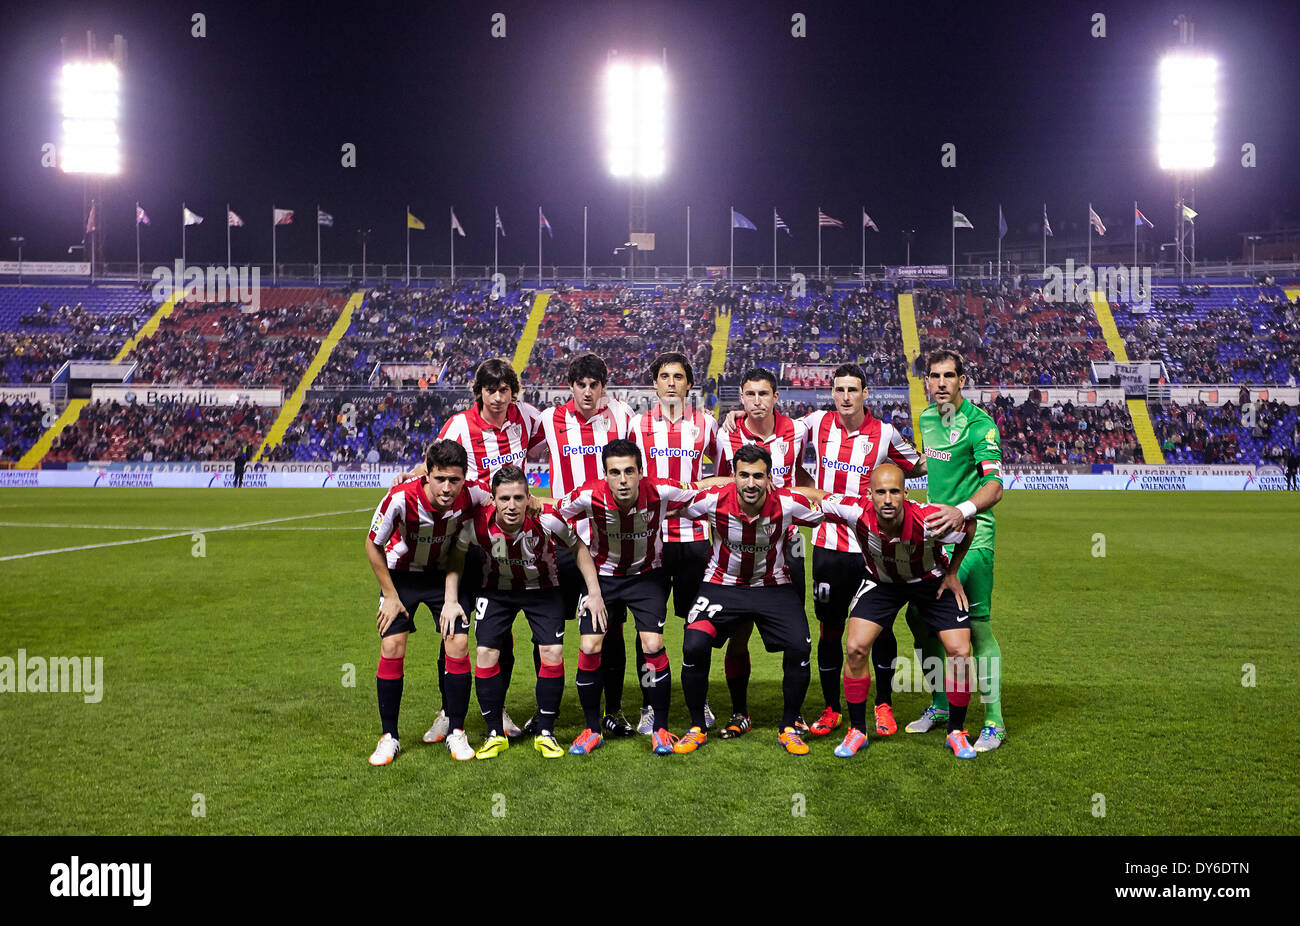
[[976, 575]]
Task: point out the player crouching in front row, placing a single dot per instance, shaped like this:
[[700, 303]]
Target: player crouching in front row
[[905, 565], [520, 573], [747, 579], [409, 545]]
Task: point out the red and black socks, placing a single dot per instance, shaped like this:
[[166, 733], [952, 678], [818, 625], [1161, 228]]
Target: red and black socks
[[388, 681]]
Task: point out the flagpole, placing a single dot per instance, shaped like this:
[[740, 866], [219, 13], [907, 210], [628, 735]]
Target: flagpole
[[183, 227], [819, 242], [688, 242], [1090, 237], [774, 244], [496, 238], [227, 234], [1135, 234], [539, 247], [584, 244], [1044, 242], [408, 244], [864, 242], [137, 242], [731, 266], [317, 244], [999, 276], [953, 222], [451, 235], [275, 265]]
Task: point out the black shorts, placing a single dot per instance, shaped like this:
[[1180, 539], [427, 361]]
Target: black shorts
[[836, 578], [429, 589], [572, 585], [879, 603], [645, 594], [775, 610], [684, 564], [495, 612]]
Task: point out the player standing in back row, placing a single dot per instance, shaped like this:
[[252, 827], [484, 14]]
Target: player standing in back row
[[964, 451], [850, 443], [674, 439], [575, 433]]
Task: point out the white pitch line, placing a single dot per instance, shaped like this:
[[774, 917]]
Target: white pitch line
[[185, 533]]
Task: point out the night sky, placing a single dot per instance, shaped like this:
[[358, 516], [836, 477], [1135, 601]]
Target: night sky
[[442, 113]]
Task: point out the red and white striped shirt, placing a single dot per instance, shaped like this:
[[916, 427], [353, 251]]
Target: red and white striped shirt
[[489, 447], [523, 561], [845, 460], [909, 557], [675, 450], [623, 543], [750, 551], [574, 443], [416, 536], [785, 444]]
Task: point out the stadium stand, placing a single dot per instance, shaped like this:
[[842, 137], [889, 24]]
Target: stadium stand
[[1012, 336], [41, 327], [20, 427], [627, 327], [770, 327], [215, 345], [1201, 433], [161, 433], [1217, 334], [393, 427], [452, 327]]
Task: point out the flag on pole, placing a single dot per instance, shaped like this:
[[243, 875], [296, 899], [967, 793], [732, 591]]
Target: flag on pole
[[867, 223], [739, 221], [413, 222], [455, 224], [90, 220], [141, 217], [191, 218], [780, 223], [232, 220], [1139, 219], [824, 219], [281, 216], [543, 223], [501, 228], [1096, 222], [1188, 213], [324, 218], [1002, 224], [1047, 226], [960, 221]]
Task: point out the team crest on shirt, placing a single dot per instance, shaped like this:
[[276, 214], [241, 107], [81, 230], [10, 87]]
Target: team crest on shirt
[[689, 431], [600, 424], [513, 429], [953, 436], [863, 445]]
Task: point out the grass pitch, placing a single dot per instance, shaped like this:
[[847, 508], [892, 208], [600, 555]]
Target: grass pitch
[[224, 686]]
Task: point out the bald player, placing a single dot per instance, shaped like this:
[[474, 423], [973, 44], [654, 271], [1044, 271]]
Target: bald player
[[906, 564]]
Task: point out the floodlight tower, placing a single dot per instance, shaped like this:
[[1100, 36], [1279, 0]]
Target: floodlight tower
[[635, 111], [90, 100], [1185, 134]]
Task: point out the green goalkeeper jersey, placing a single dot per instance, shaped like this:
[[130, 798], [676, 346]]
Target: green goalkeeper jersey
[[960, 456]]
